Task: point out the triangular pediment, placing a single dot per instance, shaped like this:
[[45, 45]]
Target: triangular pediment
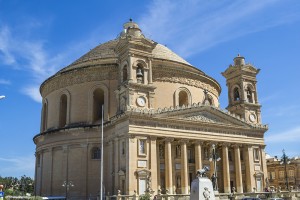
[[203, 116], [208, 115]]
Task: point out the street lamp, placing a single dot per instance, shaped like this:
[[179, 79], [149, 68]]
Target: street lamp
[[285, 161], [214, 158], [67, 185]]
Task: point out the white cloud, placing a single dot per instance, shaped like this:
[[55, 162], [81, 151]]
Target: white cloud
[[4, 82], [199, 25], [34, 58], [33, 92], [291, 135], [18, 165], [5, 41]]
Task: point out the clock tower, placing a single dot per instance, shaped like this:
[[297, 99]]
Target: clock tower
[[242, 92], [135, 69]]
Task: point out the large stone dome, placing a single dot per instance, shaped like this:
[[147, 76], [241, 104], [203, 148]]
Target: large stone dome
[[107, 51]]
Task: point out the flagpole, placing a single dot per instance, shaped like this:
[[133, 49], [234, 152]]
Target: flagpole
[[101, 167]]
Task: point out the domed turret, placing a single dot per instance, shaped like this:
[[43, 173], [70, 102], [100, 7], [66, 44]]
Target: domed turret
[[239, 60], [131, 29]]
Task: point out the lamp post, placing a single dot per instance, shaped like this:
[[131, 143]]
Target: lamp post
[[285, 161], [67, 185], [214, 158]]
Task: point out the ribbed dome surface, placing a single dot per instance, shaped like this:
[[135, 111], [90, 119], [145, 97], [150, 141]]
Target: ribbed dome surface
[[106, 50]]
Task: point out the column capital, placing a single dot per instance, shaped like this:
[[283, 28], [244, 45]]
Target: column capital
[[168, 139], [237, 145], [225, 144], [153, 137], [183, 141], [263, 146], [198, 142]]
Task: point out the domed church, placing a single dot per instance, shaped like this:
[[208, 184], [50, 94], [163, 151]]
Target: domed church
[[162, 122]]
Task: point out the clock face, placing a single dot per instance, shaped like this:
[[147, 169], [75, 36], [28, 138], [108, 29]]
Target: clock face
[[252, 117], [141, 101]]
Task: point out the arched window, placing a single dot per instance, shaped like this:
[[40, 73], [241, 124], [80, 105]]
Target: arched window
[[249, 95], [125, 73], [183, 98], [63, 111], [139, 74], [96, 153], [44, 117], [236, 94], [98, 101]]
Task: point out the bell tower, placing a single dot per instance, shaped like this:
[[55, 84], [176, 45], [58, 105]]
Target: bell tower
[[135, 88], [242, 92]]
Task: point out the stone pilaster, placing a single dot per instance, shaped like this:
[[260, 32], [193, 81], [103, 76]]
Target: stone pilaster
[[153, 163], [168, 165], [131, 163], [184, 168], [264, 165], [238, 169], [130, 67], [250, 182], [85, 169], [116, 165], [226, 174], [150, 71]]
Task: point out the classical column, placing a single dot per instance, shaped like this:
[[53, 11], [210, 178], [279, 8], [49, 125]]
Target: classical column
[[153, 163], [168, 165], [116, 165], [238, 169], [264, 165], [226, 174], [184, 168], [250, 182], [198, 155]]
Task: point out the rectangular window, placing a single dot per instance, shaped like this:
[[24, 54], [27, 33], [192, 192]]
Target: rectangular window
[[291, 173], [256, 154], [281, 174], [273, 175], [142, 147]]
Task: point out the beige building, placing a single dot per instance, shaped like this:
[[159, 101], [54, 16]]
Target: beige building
[[161, 118], [279, 174]]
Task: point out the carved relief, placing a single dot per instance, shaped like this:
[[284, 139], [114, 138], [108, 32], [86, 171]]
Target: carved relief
[[204, 118]]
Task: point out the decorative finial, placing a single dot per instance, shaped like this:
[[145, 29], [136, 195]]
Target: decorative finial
[[130, 20], [239, 55]]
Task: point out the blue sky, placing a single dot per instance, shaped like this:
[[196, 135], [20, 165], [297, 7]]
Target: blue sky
[[39, 37]]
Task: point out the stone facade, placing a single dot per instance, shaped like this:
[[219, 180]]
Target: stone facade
[[279, 174], [161, 117]]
